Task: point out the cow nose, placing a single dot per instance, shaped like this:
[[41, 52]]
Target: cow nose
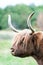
[[12, 49]]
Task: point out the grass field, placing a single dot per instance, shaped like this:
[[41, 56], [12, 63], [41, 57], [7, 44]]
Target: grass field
[[7, 59]]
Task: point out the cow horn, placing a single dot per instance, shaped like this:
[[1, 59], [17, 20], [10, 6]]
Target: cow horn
[[10, 24], [28, 22]]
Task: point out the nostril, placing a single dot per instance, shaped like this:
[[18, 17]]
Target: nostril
[[12, 50]]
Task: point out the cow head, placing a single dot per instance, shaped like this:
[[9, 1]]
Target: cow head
[[22, 45]]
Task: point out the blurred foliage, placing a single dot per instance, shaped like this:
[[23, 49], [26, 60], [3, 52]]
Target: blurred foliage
[[19, 15]]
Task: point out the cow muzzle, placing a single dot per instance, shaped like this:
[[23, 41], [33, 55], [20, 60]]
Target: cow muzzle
[[13, 51]]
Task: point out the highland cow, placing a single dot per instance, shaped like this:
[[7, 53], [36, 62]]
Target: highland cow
[[28, 43]]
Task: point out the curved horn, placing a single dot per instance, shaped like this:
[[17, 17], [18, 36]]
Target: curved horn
[[10, 24], [28, 22]]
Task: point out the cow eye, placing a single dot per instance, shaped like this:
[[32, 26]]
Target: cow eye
[[31, 33]]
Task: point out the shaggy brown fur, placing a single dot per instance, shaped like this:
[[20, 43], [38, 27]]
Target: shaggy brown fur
[[28, 44], [37, 40]]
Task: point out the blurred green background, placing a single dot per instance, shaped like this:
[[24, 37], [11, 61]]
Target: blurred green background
[[19, 15]]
